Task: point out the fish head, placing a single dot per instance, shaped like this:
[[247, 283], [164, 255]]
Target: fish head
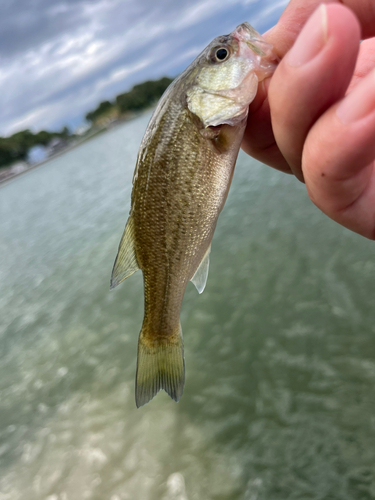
[[226, 76]]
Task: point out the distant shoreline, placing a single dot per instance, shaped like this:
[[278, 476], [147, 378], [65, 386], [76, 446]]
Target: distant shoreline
[[52, 157], [69, 147], [18, 150]]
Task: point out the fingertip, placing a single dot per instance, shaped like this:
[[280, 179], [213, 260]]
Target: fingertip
[[313, 76], [332, 24], [342, 22], [283, 35]]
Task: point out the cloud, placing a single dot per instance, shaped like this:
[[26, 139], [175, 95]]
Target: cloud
[[60, 58]]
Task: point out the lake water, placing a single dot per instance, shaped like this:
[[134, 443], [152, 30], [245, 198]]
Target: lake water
[[279, 401]]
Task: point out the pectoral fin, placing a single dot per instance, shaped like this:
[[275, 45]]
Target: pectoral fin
[[126, 261], [200, 277]]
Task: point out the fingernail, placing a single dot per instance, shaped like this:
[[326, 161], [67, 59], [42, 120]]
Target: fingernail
[[311, 40], [359, 102]]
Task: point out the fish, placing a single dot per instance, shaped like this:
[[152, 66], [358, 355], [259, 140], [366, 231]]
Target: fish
[[181, 181]]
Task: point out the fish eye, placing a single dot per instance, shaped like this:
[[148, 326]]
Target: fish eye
[[221, 54]]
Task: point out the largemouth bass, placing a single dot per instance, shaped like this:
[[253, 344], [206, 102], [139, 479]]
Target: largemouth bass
[[181, 181]]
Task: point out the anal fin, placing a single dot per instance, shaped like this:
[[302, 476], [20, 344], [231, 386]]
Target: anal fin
[[200, 277], [126, 261]]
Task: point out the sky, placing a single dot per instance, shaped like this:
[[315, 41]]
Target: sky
[[60, 58]]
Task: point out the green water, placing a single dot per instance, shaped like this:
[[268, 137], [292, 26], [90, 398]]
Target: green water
[[279, 400]]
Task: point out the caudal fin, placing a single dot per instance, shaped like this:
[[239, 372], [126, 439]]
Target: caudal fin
[[160, 365]]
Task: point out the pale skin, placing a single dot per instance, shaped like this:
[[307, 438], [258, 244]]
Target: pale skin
[[315, 117]]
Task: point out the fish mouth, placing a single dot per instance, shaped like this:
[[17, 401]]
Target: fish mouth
[[247, 34]]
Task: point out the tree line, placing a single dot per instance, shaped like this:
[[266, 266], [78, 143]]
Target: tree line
[[141, 96], [16, 147]]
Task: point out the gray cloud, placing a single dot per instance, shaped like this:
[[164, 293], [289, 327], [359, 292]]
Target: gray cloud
[[59, 58], [27, 24]]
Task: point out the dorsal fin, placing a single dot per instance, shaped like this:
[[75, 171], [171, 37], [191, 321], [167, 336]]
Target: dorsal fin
[[200, 277], [126, 261]]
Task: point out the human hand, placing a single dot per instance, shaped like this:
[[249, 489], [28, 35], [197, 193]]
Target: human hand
[[321, 103]]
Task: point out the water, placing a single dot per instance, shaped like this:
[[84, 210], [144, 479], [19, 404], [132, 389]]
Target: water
[[279, 401]]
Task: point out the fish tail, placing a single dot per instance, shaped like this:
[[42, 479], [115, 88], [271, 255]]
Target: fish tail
[[160, 365]]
